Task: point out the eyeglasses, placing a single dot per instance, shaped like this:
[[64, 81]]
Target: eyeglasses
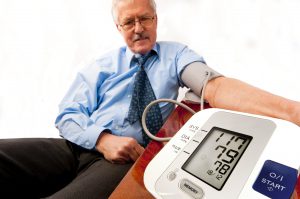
[[144, 21]]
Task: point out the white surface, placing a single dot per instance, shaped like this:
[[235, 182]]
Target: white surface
[[44, 43], [269, 137]]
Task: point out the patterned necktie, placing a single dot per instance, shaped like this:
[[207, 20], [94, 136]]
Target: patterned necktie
[[142, 95]]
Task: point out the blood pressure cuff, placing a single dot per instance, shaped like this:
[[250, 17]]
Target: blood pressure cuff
[[194, 76]]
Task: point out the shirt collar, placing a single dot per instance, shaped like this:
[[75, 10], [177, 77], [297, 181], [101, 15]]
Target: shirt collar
[[129, 54]]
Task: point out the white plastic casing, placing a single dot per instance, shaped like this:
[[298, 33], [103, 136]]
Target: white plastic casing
[[273, 139]]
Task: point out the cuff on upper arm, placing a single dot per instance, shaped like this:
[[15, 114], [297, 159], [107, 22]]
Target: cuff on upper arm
[[194, 75]]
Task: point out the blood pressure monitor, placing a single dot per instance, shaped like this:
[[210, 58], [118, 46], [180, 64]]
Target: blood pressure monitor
[[226, 154]]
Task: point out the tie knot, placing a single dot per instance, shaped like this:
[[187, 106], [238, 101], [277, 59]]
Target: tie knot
[[141, 59]]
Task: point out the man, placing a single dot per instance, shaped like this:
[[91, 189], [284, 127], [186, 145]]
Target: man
[[100, 142]]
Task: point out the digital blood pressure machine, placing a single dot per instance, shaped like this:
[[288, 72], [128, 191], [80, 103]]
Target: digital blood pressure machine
[[228, 155]]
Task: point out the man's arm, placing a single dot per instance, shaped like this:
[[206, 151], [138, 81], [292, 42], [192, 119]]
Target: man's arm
[[232, 94], [76, 126], [74, 122]]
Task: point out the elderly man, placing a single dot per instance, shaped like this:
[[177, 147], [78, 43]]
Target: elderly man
[[99, 117]]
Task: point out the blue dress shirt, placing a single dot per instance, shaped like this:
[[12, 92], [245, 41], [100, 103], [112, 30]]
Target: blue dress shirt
[[100, 96]]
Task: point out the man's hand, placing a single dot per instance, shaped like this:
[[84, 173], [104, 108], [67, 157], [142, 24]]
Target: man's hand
[[118, 149]]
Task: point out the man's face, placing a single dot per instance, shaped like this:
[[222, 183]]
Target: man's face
[[140, 38]]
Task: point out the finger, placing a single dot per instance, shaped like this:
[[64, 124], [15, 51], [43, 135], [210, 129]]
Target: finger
[[119, 157], [133, 154], [139, 149], [124, 156]]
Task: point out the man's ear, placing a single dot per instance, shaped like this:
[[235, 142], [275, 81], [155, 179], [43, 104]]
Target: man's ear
[[118, 27]]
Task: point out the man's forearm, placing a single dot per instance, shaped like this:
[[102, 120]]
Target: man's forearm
[[236, 95]]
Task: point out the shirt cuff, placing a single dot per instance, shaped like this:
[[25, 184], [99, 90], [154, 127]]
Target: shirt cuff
[[90, 136]]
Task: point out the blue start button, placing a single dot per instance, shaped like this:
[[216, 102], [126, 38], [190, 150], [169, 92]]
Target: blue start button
[[276, 180]]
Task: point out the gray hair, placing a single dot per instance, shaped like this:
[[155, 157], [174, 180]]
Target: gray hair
[[116, 2]]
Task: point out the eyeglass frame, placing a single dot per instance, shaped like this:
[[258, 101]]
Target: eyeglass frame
[[135, 21]]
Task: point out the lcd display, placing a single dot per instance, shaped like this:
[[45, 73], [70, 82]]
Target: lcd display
[[216, 156]]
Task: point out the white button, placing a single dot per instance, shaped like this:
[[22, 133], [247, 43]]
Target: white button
[[171, 176], [87, 143], [117, 127], [129, 96], [191, 189]]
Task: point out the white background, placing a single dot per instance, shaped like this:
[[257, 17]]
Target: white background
[[43, 43]]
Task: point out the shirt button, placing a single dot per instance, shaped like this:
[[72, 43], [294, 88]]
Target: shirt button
[[87, 143], [129, 96], [117, 127]]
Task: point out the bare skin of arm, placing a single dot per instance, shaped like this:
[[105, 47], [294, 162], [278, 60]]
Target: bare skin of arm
[[232, 94]]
